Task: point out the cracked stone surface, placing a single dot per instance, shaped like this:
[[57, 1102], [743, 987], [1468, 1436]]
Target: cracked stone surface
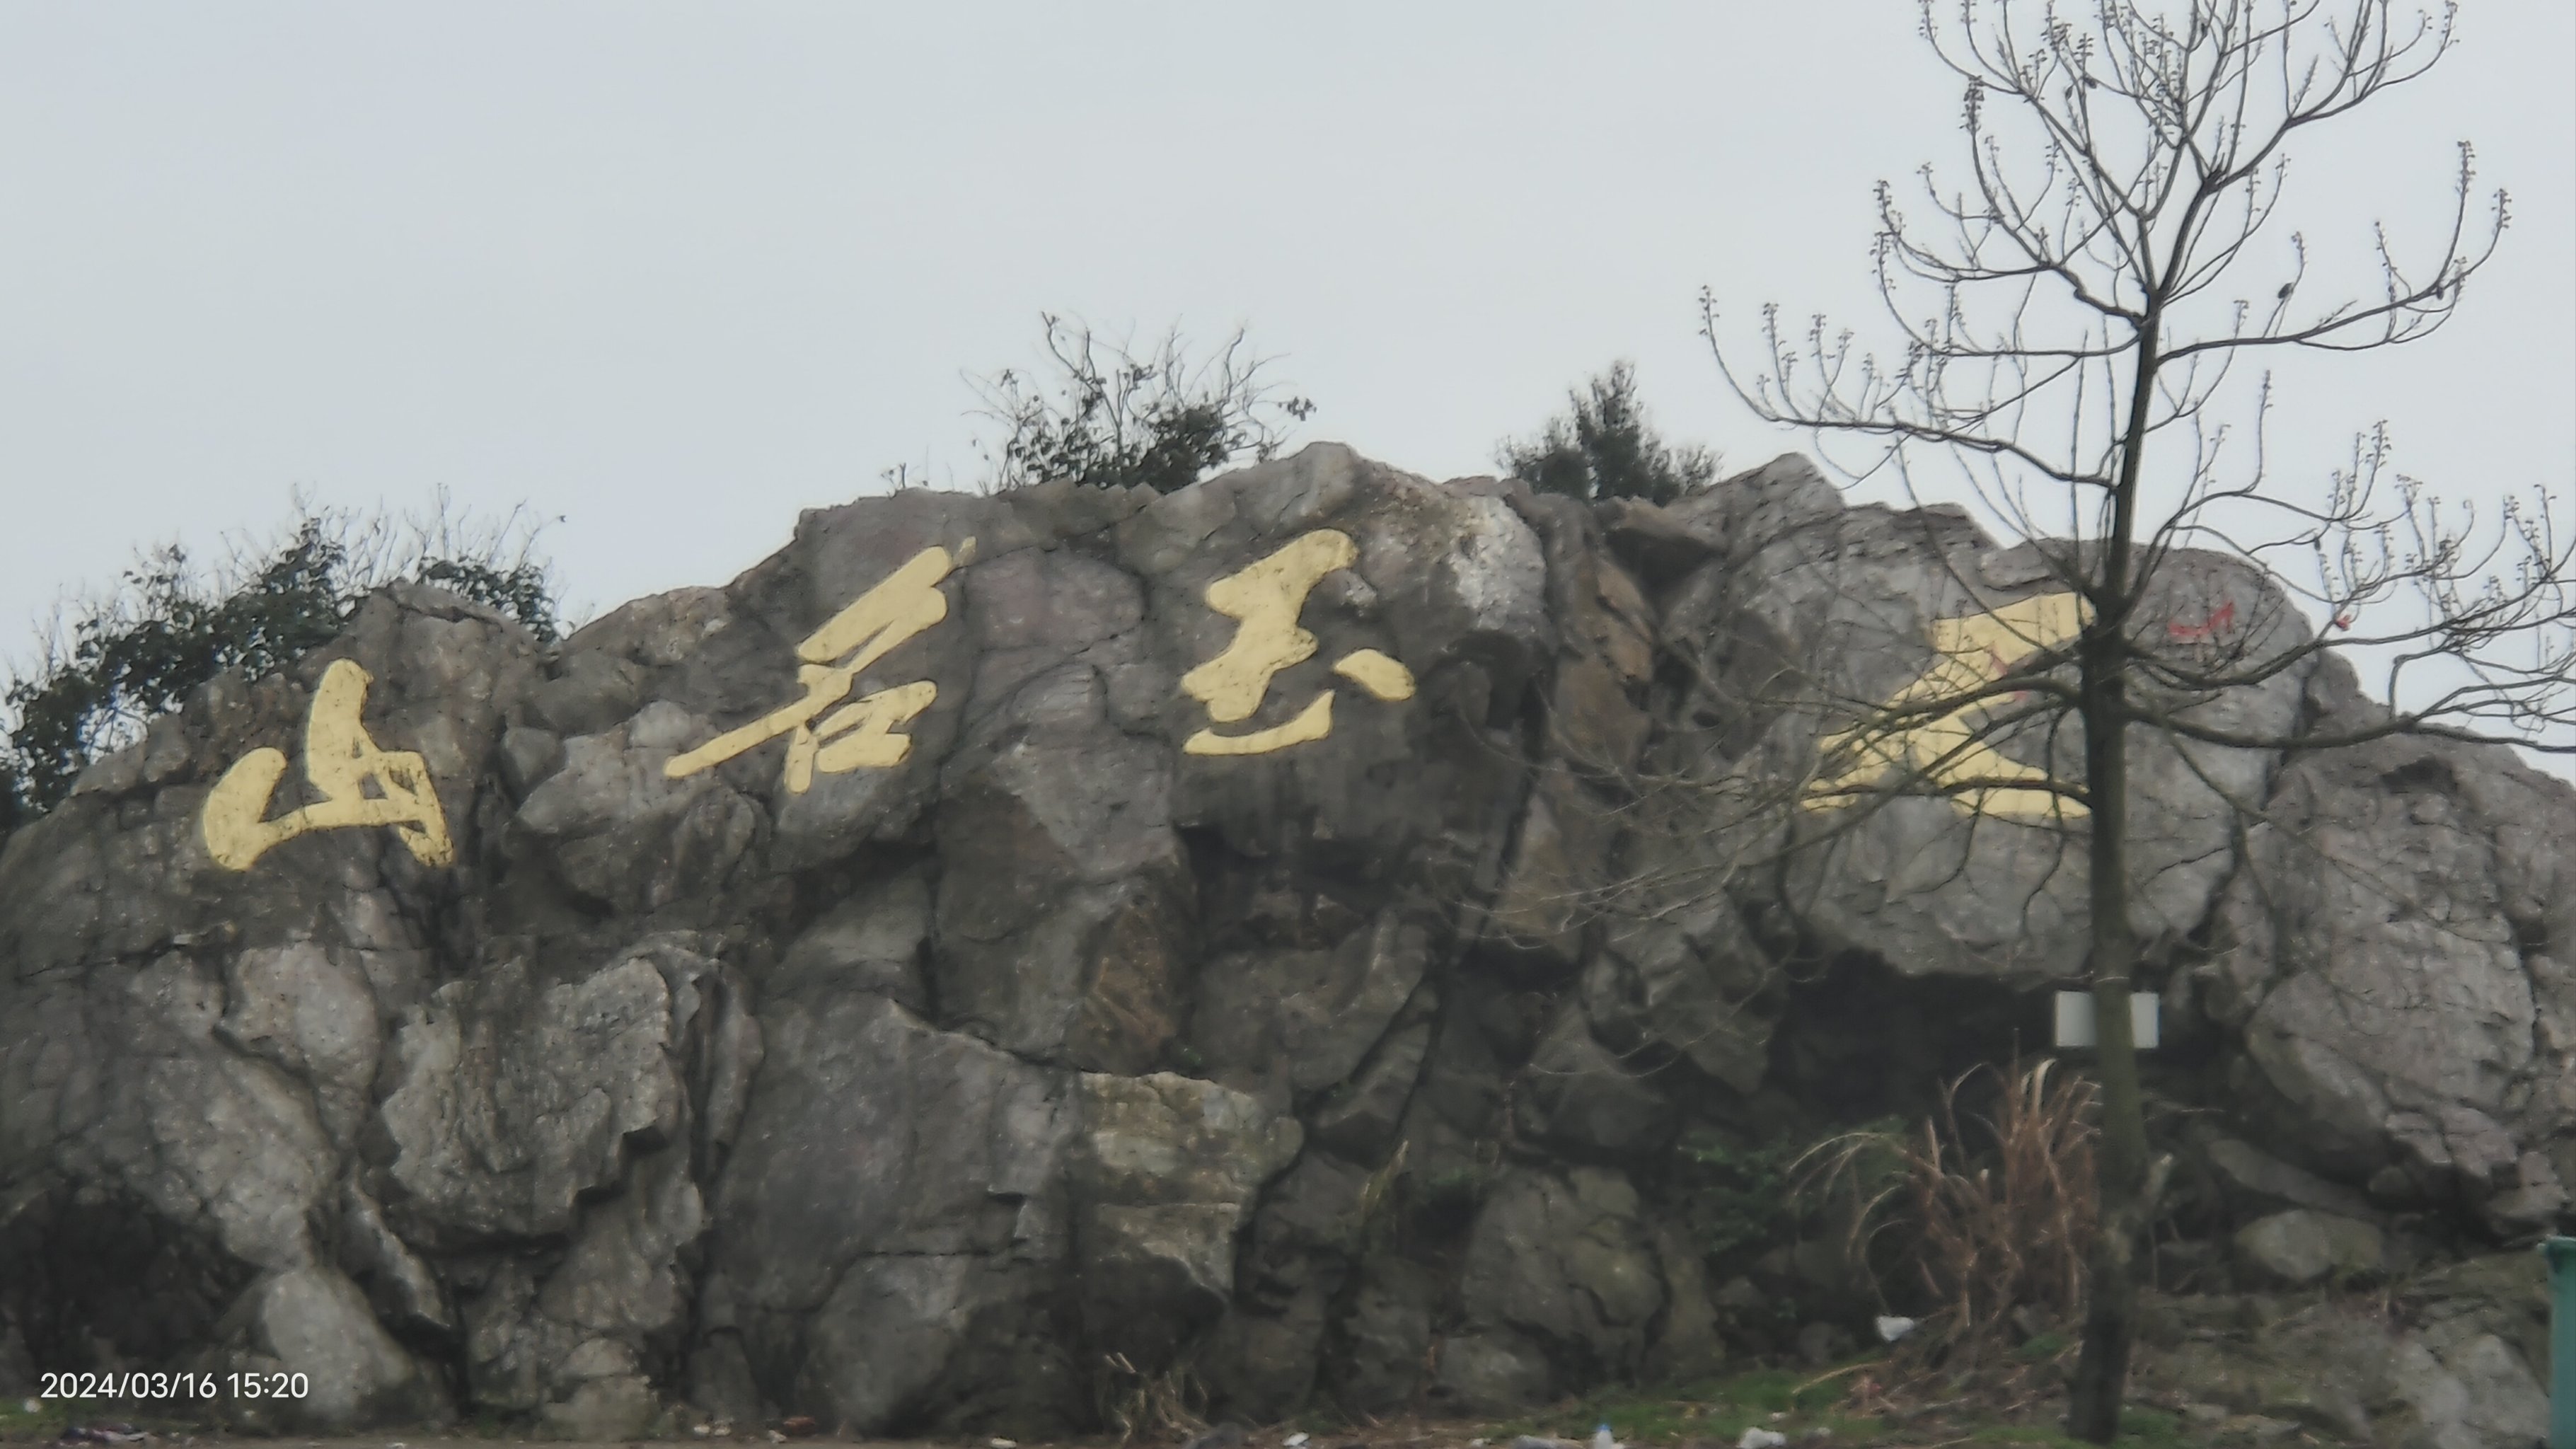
[[1029, 1012]]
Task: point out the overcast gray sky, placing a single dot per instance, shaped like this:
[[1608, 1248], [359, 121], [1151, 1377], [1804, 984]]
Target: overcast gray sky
[[674, 272]]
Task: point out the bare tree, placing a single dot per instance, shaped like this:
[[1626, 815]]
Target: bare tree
[[2072, 320]]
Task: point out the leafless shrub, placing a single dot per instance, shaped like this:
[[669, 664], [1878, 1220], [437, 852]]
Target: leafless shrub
[[1103, 415]]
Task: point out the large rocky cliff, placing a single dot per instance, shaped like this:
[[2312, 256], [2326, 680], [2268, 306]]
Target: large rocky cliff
[[1002, 948]]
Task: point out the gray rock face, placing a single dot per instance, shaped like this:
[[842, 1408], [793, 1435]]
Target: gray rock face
[[897, 1191], [1982, 883], [1561, 1265], [1691, 986], [2392, 977], [997, 939], [1581, 1100]]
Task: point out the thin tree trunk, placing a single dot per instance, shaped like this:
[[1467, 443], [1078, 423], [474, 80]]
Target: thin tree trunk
[[2111, 1304], [2111, 1301]]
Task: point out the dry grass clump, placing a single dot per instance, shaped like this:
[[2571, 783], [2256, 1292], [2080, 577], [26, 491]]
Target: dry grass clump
[[1158, 1405], [1993, 1215]]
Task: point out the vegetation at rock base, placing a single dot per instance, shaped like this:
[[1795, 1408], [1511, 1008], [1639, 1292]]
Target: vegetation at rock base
[[1170, 1404], [1994, 1213], [1103, 415], [1603, 446], [115, 660], [1745, 1197]]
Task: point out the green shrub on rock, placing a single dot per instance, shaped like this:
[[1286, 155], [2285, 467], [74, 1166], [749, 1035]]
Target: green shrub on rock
[[1603, 447], [117, 661]]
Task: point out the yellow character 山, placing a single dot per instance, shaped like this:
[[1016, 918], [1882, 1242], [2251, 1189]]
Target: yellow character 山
[[341, 762]]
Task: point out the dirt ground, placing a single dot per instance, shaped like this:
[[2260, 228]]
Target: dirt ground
[[1837, 1409], [1926, 1435]]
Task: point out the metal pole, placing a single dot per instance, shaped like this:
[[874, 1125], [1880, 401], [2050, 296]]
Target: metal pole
[[2561, 1255]]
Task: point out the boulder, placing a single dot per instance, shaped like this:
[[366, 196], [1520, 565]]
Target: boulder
[[2452, 1365], [1386, 1334], [2250, 1175], [2306, 1246], [1560, 1264], [1491, 1371], [1990, 882], [1166, 1171], [2404, 1045]]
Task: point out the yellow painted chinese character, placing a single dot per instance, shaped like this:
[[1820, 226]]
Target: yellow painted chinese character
[[903, 604], [1267, 597], [1973, 652], [341, 762]]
